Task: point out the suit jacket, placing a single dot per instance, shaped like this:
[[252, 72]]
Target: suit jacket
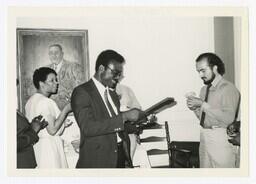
[[26, 137], [98, 144]]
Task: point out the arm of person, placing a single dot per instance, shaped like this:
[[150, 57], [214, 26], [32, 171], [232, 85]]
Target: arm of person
[[233, 128], [56, 123], [49, 113], [225, 114], [192, 107], [235, 140], [197, 112], [84, 114], [130, 128], [26, 136], [134, 101]]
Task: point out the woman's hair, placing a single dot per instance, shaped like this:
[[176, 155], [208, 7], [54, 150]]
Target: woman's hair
[[41, 74]]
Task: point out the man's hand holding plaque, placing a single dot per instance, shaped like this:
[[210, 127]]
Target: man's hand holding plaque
[[138, 116], [133, 115]]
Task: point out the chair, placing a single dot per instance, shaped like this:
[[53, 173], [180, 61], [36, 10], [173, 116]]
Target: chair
[[179, 156], [184, 154], [155, 139]]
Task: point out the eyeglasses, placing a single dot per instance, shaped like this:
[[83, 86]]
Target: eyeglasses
[[116, 73]]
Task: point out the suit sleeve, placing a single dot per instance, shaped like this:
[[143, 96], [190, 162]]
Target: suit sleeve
[[130, 128], [85, 115], [26, 136]]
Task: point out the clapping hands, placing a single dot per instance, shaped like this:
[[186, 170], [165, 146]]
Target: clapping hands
[[233, 130], [235, 140], [38, 123], [68, 123]]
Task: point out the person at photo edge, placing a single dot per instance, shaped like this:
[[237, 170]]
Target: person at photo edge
[[103, 128], [49, 151], [216, 109], [128, 100], [26, 138]]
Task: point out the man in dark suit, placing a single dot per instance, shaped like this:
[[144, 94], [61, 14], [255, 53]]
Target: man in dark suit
[[104, 140], [26, 138]]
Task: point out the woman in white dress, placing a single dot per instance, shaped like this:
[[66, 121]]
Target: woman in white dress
[[49, 150]]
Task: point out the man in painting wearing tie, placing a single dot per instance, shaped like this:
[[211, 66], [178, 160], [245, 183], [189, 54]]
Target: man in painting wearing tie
[[103, 128], [216, 109], [70, 74]]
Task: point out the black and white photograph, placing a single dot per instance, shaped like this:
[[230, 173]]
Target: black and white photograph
[[128, 91]]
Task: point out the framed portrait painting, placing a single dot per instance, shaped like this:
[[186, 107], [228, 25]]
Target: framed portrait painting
[[65, 51]]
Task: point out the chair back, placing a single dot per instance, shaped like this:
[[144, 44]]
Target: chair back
[[158, 144], [184, 154]]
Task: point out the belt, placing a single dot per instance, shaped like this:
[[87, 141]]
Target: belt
[[211, 127]]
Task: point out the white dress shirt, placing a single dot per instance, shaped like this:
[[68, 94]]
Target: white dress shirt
[[57, 67], [101, 88]]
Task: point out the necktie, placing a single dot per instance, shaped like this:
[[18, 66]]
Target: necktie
[[205, 99], [120, 134], [108, 104], [110, 108]]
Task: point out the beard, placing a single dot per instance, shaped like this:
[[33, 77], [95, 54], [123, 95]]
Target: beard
[[210, 81]]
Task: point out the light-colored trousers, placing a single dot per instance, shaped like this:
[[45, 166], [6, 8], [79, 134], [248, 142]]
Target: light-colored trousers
[[133, 142], [215, 151]]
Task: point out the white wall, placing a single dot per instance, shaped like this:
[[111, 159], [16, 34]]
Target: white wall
[[160, 50]]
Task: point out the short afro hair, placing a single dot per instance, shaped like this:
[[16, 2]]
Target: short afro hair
[[108, 56], [41, 74]]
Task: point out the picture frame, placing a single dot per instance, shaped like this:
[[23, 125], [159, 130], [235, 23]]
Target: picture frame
[[32, 53]]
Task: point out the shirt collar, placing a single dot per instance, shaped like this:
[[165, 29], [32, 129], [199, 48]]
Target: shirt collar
[[58, 66], [99, 86], [216, 80]]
